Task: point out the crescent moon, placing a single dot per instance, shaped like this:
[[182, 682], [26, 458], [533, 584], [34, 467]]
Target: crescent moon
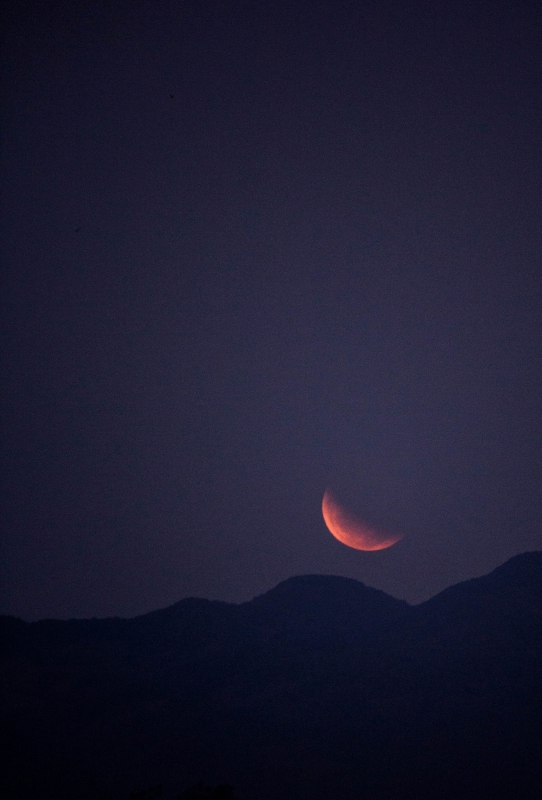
[[351, 531]]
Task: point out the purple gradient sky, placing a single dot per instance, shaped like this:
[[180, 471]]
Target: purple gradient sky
[[255, 249]]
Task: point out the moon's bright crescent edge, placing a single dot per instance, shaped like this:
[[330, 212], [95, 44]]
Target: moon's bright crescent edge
[[351, 531]]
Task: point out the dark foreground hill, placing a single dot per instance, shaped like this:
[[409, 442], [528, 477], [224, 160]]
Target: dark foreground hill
[[322, 688]]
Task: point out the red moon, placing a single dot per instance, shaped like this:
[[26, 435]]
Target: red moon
[[351, 531]]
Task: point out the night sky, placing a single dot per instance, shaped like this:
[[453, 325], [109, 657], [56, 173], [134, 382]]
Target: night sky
[[257, 249]]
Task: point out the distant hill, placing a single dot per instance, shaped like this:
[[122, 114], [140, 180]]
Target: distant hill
[[322, 688]]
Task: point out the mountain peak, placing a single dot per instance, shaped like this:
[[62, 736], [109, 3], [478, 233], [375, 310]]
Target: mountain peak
[[519, 575], [325, 605], [524, 569]]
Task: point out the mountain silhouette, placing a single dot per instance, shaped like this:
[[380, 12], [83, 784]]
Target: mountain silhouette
[[321, 688]]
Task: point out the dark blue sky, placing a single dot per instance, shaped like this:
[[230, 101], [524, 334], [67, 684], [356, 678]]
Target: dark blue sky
[[253, 250]]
